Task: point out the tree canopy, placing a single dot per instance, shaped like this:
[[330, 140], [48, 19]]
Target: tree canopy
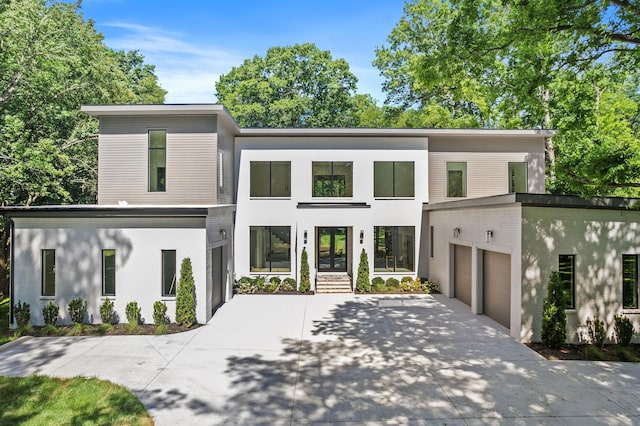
[[567, 65], [292, 86]]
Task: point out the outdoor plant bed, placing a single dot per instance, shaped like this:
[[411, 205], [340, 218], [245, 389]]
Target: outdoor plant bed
[[401, 292], [98, 330], [291, 293], [569, 352]]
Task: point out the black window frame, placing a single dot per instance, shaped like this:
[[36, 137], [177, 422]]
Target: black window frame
[[104, 273], [44, 286], [634, 288], [568, 279], [174, 283], [159, 187], [256, 269], [391, 262], [464, 184], [287, 189], [332, 176], [526, 176], [394, 184]]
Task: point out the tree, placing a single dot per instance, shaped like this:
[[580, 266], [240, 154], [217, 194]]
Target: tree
[[363, 285], [305, 277], [292, 86], [51, 62], [186, 296]]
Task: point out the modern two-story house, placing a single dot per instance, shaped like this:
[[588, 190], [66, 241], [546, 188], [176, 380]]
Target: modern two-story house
[[463, 207]]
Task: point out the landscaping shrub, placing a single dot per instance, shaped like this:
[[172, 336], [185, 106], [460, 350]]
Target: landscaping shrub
[[362, 282], [594, 353], [133, 313], [106, 311], [554, 319], [288, 284], [274, 285], [77, 310], [305, 277], [22, 313], [393, 283], [596, 332], [160, 313], [406, 279], [50, 313], [623, 330], [377, 285], [430, 286], [259, 282], [186, 297], [245, 285]]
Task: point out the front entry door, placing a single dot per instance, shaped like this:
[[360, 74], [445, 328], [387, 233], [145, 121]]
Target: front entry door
[[332, 249]]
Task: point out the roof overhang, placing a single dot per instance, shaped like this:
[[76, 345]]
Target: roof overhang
[[92, 211], [306, 132]]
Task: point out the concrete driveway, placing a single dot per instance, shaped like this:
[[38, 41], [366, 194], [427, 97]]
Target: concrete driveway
[[343, 359]]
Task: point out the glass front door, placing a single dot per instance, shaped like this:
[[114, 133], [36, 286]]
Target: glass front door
[[332, 249]]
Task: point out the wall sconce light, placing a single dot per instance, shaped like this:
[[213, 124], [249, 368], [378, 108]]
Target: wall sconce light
[[456, 232], [488, 236], [361, 236], [305, 237], [223, 234]]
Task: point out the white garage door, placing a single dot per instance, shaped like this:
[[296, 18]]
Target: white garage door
[[462, 273], [497, 287]]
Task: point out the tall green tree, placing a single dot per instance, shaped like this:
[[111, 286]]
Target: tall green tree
[[52, 61], [291, 86]]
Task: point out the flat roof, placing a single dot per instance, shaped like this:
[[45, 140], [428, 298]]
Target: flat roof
[[94, 210], [539, 200]]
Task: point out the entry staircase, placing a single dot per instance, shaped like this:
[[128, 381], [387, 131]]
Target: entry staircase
[[333, 282]]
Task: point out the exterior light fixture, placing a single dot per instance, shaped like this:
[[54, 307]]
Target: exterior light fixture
[[488, 236], [223, 234], [305, 237], [456, 232], [361, 236]]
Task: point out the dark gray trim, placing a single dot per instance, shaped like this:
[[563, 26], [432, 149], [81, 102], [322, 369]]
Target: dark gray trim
[[334, 205], [540, 200], [104, 211]]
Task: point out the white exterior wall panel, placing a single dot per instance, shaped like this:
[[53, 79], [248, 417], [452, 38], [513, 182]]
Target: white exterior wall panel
[[78, 245], [598, 239], [487, 164], [285, 212], [191, 155]]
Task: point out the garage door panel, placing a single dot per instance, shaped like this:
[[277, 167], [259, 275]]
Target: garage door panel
[[497, 287], [462, 274]]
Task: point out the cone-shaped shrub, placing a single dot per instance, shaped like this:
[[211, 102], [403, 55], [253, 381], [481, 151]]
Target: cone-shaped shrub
[[186, 297], [362, 283], [305, 278], [554, 319]]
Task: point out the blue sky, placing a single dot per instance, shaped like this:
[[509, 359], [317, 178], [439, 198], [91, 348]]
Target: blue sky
[[192, 42]]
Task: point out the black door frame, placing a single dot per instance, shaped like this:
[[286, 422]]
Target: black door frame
[[332, 247]]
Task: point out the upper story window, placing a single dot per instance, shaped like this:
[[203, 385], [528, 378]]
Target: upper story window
[[157, 160], [456, 180], [332, 179], [630, 281], [270, 179], [518, 177], [393, 179], [220, 169], [567, 270]]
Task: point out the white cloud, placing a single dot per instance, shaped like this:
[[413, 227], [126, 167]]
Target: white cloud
[[187, 70]]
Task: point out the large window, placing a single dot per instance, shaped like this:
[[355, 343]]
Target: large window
[[270, 249], [393, 179], [157, 160], [456, 180], [332, 179], [48, 272], [270, 179], [567, 269], [108, 272], [518, 177], [169, 281], [394, 248], [630, 281]]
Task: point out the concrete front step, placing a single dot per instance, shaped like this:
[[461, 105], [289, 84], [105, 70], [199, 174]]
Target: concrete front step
[[333, 283]]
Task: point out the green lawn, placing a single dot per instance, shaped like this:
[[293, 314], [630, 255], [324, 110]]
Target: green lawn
[[40, 400]]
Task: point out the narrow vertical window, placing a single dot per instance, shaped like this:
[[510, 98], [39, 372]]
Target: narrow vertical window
[[221, 169], [567, 270], [108, 272], [518, 177], [169, 273], [630, 281], [456, 180], [431, 237], [157, 160], [48, 272]]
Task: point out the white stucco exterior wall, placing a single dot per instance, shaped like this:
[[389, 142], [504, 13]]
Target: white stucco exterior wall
[[302, 152], [79, 242], [598, 239]]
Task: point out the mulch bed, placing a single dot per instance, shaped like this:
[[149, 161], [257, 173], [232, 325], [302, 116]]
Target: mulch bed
[[577, 352], [115, 330]]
